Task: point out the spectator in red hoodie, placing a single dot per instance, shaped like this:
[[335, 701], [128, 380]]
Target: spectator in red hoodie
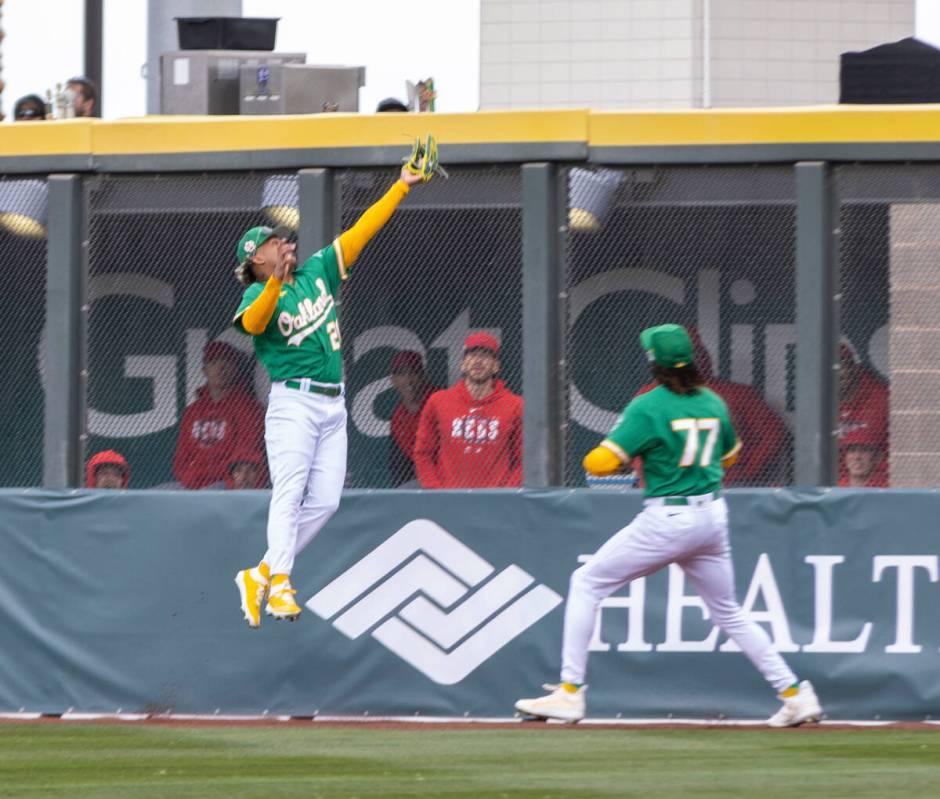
[[766, 453], [107, 469], [470, 435], [410, 380], [225, 419], [863, 419]]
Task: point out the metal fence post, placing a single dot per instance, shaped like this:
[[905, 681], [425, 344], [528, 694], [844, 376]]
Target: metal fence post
[[65, 334], [542, 320], [817, 325], [318, 218]]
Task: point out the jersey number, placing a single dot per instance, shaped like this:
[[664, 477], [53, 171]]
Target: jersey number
[[332, 328], [691, 428]]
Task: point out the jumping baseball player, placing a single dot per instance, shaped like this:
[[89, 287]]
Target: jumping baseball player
[[683, 433], [290, 312]]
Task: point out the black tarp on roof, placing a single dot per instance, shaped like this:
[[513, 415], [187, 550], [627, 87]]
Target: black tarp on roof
[[907, 71]]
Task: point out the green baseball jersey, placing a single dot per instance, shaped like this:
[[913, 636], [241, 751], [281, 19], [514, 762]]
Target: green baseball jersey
[[302, 339], [682, 440]]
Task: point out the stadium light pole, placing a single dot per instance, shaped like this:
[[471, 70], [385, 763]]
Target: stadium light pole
[[94, 26]]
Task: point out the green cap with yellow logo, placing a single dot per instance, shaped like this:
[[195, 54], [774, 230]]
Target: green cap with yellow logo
[[667, 345], [252, 239]]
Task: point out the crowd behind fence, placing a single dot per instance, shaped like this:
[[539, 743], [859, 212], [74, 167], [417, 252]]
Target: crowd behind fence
[[172, 396]]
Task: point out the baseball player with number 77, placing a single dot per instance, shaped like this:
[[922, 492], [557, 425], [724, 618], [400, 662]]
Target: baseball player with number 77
[[290, 313], [683, 433]]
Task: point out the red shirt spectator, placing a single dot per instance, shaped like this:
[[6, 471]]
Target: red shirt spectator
[[409, 379], [766, 441], [470, 435], [224, 420], [108, 469], [863, 417]]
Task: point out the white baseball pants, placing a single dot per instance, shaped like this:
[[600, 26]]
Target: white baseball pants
[[305, 436], [693, 536]]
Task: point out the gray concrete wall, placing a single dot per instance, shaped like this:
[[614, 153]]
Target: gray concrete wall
[[652, 53], [786, 52]]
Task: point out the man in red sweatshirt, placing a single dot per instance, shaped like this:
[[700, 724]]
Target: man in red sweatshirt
[[470, 435], [764, 459], [224, 420]]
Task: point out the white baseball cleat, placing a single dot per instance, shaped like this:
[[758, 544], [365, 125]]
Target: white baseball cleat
[[559, 704], [798, 709]]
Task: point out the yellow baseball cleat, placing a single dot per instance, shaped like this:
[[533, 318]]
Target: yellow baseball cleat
[[252, 586], [281, 604]]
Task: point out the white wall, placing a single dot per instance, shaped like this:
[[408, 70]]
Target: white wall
[[649, 53], [597, 53], [786, 52]]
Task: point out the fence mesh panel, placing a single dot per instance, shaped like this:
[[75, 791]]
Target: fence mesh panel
[[889, 250], [172, 387], [23, 213], [709, 247], [448, 264]]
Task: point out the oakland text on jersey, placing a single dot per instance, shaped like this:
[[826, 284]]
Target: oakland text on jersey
[[312, 314]]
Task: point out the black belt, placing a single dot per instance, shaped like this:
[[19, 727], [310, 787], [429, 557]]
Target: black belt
[[313, 388]]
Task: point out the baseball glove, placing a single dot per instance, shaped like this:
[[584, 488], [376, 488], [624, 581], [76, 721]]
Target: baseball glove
[[424, 160]]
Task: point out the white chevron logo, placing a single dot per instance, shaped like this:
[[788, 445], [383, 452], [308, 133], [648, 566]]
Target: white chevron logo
[[462, 615]]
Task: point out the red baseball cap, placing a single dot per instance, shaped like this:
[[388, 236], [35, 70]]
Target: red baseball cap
[[406, 361], [862, 435], [481, 341], [107, 458]]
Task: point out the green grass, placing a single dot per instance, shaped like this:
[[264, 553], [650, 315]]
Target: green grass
[[133, 762]]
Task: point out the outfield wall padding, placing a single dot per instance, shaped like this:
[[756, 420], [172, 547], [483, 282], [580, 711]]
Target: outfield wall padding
[[451, 603]]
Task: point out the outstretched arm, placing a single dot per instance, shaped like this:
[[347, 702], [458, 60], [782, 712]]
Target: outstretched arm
[[352, 241]]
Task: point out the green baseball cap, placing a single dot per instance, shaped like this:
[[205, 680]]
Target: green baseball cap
[[667, 345], [252, 239]]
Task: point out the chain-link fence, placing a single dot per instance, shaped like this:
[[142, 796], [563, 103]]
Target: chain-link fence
[[173, 389], [176, 392], [889, 252], [23, 215], [448, 265], [712, 248]]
